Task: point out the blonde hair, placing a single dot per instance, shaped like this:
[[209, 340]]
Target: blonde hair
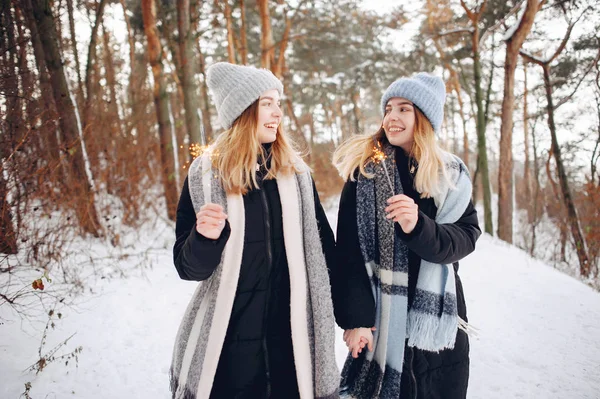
[[356, 152], [237, 151]]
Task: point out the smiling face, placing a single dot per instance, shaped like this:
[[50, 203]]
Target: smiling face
[[269, 116], [399, 123]]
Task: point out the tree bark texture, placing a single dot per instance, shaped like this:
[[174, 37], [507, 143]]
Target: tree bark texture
[[161, 102]]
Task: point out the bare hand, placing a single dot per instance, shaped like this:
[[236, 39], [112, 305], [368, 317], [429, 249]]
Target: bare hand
[[402, 209], [357, 338], [210, 221]]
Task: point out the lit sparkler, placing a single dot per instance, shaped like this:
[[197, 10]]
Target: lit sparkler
[[379, 157]]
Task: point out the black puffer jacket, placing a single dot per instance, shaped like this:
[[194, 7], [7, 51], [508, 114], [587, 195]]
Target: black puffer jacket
[[425, 375], [257, 359]]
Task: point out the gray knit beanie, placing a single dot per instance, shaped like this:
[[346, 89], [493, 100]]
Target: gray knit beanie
[[236, 87], [426, 91]]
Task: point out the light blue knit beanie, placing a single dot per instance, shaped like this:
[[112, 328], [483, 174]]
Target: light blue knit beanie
[[424, 90], [236, 87]]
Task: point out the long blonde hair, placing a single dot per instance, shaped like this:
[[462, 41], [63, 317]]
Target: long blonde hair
[[237, 151], [356, 152]]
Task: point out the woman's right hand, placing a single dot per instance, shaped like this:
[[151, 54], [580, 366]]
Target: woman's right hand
[[210, 221]]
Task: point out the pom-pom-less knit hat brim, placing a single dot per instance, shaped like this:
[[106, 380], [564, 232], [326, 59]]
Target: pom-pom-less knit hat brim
[[236, 87], [427, 92]]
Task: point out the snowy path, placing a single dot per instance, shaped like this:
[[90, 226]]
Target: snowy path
[[539, 334]]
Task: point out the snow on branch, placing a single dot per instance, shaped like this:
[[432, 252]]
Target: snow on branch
[[455, 31], [511, 31], [533, 59], [512, 12]]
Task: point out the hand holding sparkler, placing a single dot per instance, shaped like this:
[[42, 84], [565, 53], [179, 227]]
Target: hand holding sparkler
[[210, 221], [403, 209]]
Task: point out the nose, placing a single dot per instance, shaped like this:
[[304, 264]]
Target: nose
[[394, 114], [277, 112]]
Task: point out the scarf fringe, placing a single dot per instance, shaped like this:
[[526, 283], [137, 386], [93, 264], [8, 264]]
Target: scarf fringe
[[177, 391], [469, 329], [431, 333]]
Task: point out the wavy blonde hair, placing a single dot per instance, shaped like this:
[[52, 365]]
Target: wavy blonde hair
[[356, 152], [237, 151]]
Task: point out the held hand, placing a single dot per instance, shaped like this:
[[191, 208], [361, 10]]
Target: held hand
[[210, 221], [402, 209], [357, 338]]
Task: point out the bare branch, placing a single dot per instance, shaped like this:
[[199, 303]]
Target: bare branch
[[7, 299], [472, 16], [297, 10], [567, 98], [531, 58]]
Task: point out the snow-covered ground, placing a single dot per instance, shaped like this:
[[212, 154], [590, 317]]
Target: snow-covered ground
[[538, 337]]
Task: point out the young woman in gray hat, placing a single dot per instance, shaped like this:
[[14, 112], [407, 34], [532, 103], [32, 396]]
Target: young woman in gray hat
[[405, 220], [250, 227]]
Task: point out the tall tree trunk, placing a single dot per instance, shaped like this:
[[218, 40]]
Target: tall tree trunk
[[278, 68], [536, 198], [482, 159], [311, 125], [205, 103], [75, 52], [596, 152], [188, 72], [244, 47], [9, 86], [162, 107], [505, 172], [526, 174], [132, 63], [298, 133], [8, 238], [50, 113], [10, 75], [572, 218], [580, 247], [354, 97], [80, 183], [27, 78], [464, 125], [339, 113], [111, 84], [230, 34], [115, 132], [89, 69], [267, 46]]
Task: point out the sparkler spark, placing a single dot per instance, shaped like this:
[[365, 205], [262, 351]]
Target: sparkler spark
[[196, 150], [379, 157]]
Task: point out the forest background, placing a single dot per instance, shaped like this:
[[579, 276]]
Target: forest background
[[103, 105]]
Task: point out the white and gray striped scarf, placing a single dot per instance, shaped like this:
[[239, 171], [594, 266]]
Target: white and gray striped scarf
[[202, 331], [432, 322]]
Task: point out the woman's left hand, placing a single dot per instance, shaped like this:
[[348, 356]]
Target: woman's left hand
[[402, 209]]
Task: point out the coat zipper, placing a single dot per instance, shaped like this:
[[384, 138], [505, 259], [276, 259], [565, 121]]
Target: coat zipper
[[268, 244], [412, 372]]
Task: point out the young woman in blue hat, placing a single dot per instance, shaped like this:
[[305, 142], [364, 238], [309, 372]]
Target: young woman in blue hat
[[405, 220], [250, 227]]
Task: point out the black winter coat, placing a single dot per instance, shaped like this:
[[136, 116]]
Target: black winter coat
[[257, 360], [425, 375]]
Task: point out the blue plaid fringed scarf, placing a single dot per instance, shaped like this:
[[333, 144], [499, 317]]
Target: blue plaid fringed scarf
[[432, 322]]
